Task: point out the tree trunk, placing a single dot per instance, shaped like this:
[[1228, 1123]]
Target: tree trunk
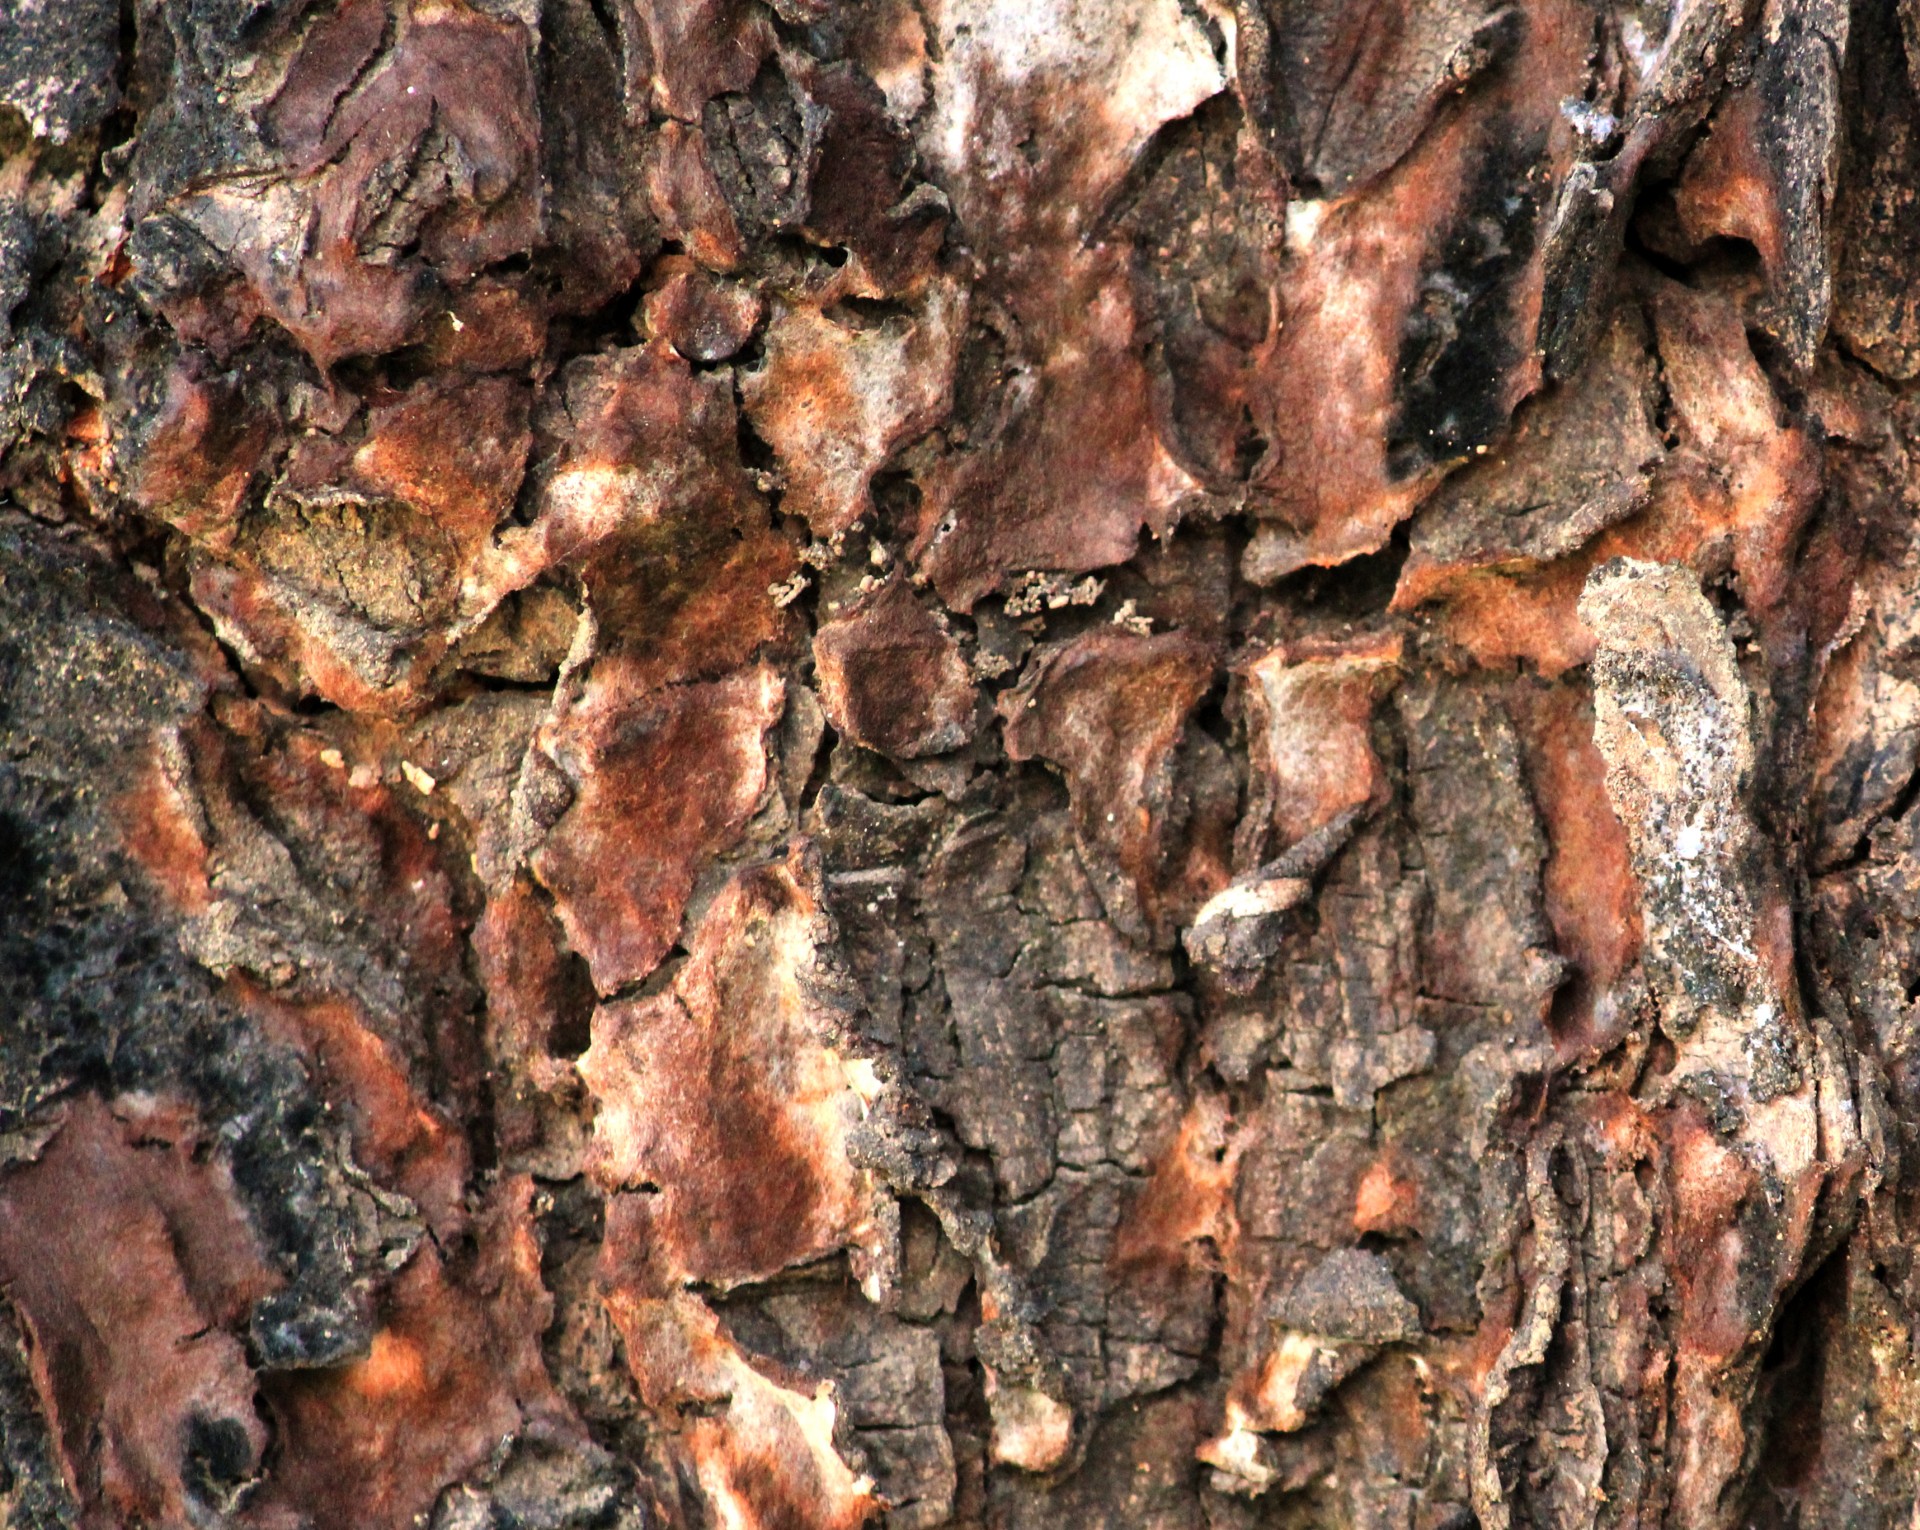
[[1019, 763]]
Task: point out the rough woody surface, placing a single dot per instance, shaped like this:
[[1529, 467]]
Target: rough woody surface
[[1131, 764]]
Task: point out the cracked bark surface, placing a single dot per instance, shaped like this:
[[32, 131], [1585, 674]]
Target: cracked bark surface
[[785, 764]]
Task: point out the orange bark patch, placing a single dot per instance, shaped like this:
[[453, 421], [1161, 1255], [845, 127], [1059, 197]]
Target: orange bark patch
[[1187, 1200], [201, 453], [162, 829], [762, 1451], [1592, 898], [1063, 466], [726, 1104], [1385, 1202], [394, 1366], [453, 450], [661, 781]]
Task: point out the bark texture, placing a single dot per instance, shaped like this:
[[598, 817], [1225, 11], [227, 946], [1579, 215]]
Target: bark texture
[[1015, 763]]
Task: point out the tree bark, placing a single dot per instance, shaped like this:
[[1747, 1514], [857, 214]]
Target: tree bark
[[1126, 763]]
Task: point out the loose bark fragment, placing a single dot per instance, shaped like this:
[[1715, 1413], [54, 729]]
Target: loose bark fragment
[[893, 679], [114, 1236], [835, 399], [1309, 713], [1742, 511], [1108, 709], [1769, 169], [1580, 459], [655, 782]]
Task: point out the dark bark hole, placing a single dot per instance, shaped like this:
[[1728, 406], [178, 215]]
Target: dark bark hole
[[1358, 588], [572, 1030], [218, 1459], [1794, 1377], [19, 871]]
